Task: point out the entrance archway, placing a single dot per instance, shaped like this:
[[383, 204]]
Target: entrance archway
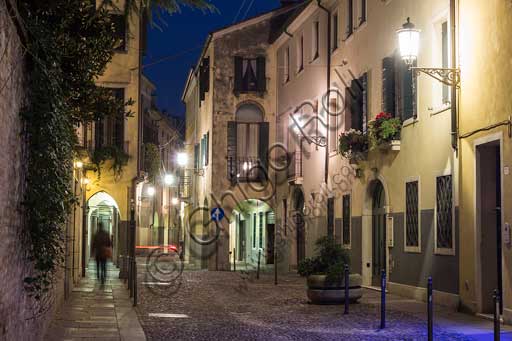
[[378, 231], [252, 232], [103, 209]]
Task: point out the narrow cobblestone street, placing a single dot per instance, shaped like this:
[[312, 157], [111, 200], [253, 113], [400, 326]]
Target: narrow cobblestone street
[[97, 312], [229, 306]]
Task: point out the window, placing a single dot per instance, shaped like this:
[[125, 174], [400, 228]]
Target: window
[[346, 216], [362, 12], [119, 24], [349, 28], [250, 75], [109, 131], [315, 40], [260, 230], [388, 86], [412, 230], [406, 97], [444, 215], [334, 123], [247, 144], [445, 62], [356, 104], [204, 78], [330, 217], [335, 30], [196, 156], [300, 54], [286, 74], [254, 230]]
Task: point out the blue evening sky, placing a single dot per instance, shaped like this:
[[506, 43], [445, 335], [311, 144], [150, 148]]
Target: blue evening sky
[[182, 40]]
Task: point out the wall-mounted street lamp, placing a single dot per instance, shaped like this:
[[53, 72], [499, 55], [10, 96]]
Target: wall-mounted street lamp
[[79, 164], [409, 44], [175, 201], [182, 159], [150, 191], [169, 179]]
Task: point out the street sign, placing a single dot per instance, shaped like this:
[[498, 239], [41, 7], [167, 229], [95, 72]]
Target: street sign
[[217, 214]]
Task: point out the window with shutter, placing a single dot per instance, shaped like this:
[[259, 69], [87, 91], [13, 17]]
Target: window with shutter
[[330, 217], [260, 226], [357, 105], [263, 150], [207, 149], [119, 23], [388, 86], [250, 75], [316, 40], [335, 29], [109, 131], [231, 152], [406, 90], [348, 108], [196, 156], [363, 81], [204, 78], [238, 74], [349, 28]]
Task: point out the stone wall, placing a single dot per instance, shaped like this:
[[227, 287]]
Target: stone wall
[[17, 321]]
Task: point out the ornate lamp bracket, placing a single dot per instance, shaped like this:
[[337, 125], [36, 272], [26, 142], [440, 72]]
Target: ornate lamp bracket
[[448, 76]]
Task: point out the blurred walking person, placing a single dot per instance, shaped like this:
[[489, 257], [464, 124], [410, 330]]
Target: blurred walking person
[[102, 250]]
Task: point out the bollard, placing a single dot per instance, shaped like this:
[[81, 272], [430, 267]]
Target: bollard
[[430, 310], [496, 298], [383, 299], [134, 276], [234, 259], [347, 298], [258, 269]]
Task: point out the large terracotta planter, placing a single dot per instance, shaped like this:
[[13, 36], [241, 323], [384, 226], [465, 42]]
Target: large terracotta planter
[[321, 292]]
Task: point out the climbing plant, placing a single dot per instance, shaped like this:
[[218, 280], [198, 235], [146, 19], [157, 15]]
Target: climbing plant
[[152, 160], [68, 45]]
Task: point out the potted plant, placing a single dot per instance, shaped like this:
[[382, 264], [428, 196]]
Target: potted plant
[[325, 274], [384, 132], [353, 145]]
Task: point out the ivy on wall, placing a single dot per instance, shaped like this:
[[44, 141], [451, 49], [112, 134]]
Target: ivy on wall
[[68, 45], [152, 160]]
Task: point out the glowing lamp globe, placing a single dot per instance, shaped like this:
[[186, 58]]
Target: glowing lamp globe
[[409, 42]]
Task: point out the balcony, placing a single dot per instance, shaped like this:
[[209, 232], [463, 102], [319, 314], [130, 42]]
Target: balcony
[[185, 187], [295, 167], [246, 169]]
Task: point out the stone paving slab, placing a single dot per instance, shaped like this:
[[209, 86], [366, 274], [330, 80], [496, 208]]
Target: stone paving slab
[[96, 312]]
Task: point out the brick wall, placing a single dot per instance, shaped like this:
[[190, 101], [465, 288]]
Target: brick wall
[[16, 309]]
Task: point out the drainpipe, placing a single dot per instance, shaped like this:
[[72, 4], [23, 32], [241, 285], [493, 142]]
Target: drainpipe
[[454, 65], [326, 173]]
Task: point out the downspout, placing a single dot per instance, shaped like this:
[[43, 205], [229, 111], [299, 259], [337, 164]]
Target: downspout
[[454, 65], [327, 94]]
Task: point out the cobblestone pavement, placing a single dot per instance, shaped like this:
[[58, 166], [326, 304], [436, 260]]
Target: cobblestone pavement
[[225, 306], [95, 312]]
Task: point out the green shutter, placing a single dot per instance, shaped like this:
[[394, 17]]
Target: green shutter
[[263, 150], [261, 74], [388, 86], [231, 152], [238, 74]]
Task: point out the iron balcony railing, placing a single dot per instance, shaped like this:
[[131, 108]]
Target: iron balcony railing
[[246, 169]]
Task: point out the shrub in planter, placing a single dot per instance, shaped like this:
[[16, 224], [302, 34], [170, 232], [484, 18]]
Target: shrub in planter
[[353, 145], [384, 129], [325, 274]]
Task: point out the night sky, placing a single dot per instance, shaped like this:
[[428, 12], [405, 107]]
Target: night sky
[[182, 40]]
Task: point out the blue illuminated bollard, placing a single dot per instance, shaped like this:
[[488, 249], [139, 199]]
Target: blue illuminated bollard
[[383, 299], [430, 310], [346, 289]]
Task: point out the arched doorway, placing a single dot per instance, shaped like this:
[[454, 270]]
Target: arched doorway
[[103, 211], [378, 231], [252, 231], [299, 224]]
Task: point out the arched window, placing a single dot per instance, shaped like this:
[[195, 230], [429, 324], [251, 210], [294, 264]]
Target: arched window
[[247, 143]]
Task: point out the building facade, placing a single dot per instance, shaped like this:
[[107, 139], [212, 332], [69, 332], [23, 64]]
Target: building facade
[[230, 126], [485, 155], [396, 210]]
